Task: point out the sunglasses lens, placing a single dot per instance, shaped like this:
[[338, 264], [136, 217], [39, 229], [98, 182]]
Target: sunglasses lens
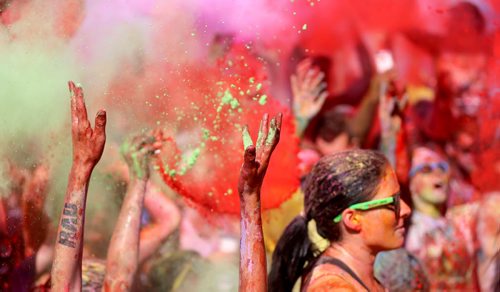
[[443, 166], [426, 168], [429, 168]]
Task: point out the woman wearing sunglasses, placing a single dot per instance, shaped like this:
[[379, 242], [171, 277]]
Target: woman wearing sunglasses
[[442, 239], [353, 197]]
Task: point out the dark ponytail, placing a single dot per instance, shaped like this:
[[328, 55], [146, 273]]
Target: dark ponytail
[[293, 251], [336, 182]]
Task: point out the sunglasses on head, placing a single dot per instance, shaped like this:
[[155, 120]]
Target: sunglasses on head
[[394, 201], [429, 167]]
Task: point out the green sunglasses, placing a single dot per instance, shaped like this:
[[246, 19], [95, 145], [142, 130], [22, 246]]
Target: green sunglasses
[[394, 200]]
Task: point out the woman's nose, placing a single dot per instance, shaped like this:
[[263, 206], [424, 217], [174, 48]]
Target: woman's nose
[[405, 210]]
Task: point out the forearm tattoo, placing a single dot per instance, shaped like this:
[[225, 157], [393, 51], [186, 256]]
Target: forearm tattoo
[[69, 221]]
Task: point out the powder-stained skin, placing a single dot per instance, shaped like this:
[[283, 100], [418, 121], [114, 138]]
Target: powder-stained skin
[[69, 223], [253, 274], [88, 145]]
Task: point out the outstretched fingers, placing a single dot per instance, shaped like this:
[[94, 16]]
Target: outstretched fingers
[[79, 120], [100, 126], [81, 109], [303, 67], [279, 120], [256, 158], [142, 145], [272, 140], [71, 87], [151, 147], [321, 98], [312, 80], [247, 139], [274, 131], [263, 133]]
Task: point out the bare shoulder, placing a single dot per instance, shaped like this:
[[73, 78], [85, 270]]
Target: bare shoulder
[[331, 278]]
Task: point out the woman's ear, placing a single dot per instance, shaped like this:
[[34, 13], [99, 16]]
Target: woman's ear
[[352, 220]]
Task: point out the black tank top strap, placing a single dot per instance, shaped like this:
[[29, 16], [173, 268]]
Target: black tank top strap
[[336, 262]]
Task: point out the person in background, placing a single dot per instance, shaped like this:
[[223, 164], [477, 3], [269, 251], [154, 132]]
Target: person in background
[[24, 228], [451, 243]]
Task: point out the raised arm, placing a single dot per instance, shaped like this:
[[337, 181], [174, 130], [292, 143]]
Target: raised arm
[[35, 221], [392, 131], [88, 145], [430, 42], [309, 94], [357, 89], [165, 217], [253, 274], [123, 253], [360, 124]]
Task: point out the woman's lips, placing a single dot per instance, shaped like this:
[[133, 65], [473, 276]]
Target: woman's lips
[[401, 227]]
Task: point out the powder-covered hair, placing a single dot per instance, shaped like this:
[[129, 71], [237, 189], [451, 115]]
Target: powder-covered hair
[[336, 182]]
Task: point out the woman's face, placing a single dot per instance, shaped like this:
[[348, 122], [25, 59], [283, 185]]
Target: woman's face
[[381, 230], [429, 184], [339, 143]]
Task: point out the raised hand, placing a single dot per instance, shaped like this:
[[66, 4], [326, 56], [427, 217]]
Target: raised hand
[[88, 143], [123, 253], [390, 113], [253, 274], [391, 105], [137, 152], [309, 92], [256, 158]]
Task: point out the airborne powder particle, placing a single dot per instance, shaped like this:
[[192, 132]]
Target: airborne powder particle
[[228, 98], [263, 99]]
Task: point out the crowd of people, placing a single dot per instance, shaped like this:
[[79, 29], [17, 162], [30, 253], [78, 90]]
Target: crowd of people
[[391, 195]]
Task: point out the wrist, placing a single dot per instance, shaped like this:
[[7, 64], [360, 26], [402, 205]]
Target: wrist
[[136, 181], [248, 193], [82, 169], [139, 175], [250, 201], [302, 119], [301, 125]]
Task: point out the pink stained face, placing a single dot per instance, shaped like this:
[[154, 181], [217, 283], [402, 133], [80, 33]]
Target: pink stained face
[[339, 143], [380, 230], [430, 184], [307, 158]]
